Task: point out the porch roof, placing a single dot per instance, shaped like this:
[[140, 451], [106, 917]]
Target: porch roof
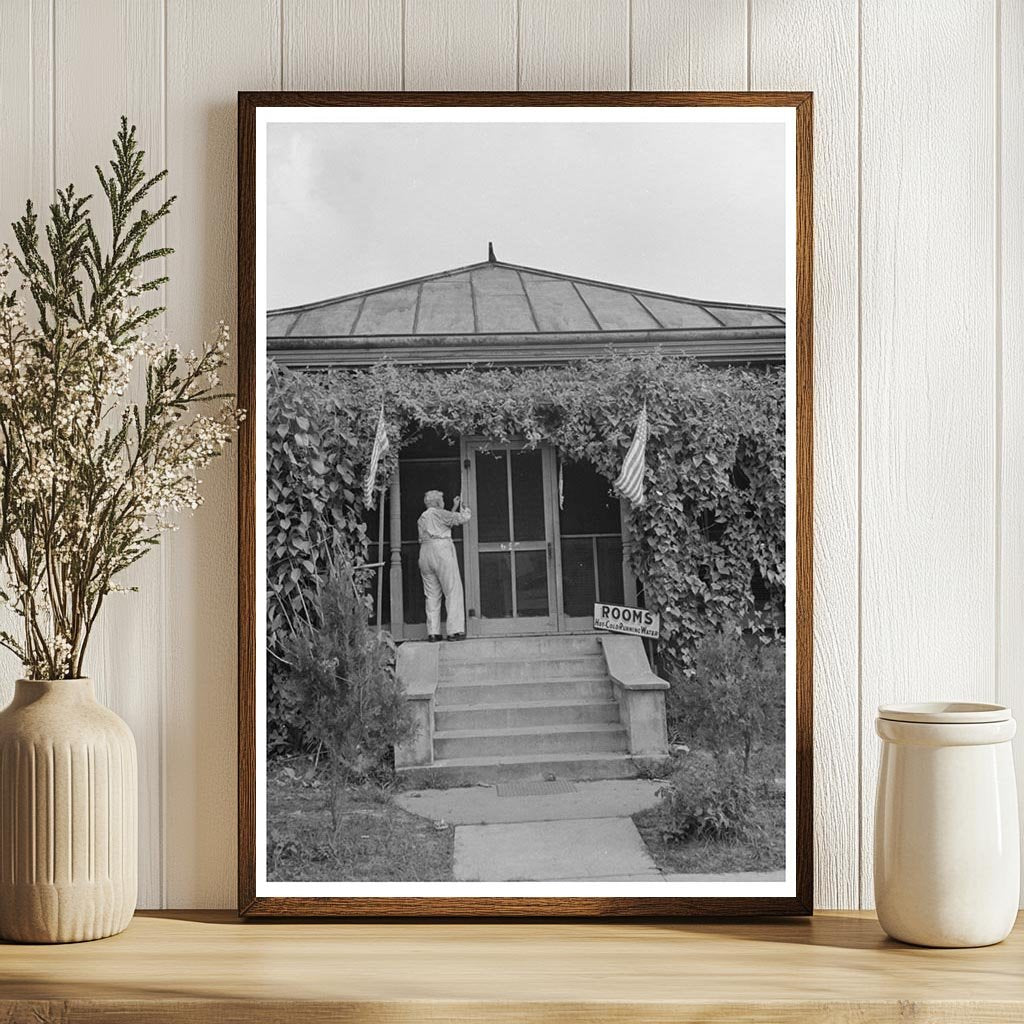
[[503, 312]]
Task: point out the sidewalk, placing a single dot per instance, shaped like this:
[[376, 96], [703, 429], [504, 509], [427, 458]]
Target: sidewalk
[[580, 831], [483, 805], [586, 849]]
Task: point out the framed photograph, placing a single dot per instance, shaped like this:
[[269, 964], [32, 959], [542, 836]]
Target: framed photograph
[[525, 504]]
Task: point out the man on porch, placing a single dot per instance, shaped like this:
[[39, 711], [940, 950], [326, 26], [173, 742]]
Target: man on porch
[[439, 565]]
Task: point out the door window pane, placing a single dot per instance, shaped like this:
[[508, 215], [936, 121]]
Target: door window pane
[[528, 495], [496, 584], [492, 496], [578, 591], [609, 570], [531, 583], [588, 505]]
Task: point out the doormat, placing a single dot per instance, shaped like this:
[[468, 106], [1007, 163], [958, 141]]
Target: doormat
[[535, 788]]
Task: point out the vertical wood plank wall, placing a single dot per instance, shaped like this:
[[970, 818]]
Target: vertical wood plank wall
[[919, 293]]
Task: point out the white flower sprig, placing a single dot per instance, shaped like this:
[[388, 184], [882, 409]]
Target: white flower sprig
[[89, 476]]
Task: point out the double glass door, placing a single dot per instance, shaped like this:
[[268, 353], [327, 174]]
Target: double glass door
[[510, 553]]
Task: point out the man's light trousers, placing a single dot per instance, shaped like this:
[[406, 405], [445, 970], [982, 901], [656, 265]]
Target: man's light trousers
[[439, 568]]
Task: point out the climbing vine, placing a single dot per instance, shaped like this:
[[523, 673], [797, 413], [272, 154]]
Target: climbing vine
[[710, 540]]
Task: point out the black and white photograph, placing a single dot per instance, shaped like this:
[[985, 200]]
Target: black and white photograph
[[525, 502]]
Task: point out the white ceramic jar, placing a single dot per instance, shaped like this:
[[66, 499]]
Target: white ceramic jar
[[947, 847]]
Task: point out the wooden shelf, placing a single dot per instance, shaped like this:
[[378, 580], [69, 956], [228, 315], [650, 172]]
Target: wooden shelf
[[210, 967]]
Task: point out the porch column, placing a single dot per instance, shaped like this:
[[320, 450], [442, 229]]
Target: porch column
[[628, 579], [395, 529]]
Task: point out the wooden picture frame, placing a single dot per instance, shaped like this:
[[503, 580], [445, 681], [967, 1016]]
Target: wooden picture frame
[[251, 902]]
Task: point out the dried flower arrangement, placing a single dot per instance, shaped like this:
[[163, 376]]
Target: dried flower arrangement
[[102, 435]]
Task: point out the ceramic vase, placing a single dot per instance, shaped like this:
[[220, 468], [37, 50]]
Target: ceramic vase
[[68, 815], [947, 847]]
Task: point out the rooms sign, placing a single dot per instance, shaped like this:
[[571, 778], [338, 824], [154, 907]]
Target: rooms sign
[[619, 619]]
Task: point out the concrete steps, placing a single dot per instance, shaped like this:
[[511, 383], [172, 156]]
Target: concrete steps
[[471, 771], [521, 669], [525, 707], [525, 713], [602, 737], [486, 648], [484, 691]]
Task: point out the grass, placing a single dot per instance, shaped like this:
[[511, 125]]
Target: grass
[[377, 841], [430, 778], [767, 852]]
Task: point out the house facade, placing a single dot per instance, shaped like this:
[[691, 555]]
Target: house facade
[[547, 539]]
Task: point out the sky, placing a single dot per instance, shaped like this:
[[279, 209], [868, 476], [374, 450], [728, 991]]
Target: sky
[[688, 209]]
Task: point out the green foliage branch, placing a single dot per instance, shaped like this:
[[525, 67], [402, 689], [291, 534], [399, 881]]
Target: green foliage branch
[[715, 477], [711, 798], [340, 679], [93, 460], [736, 699]]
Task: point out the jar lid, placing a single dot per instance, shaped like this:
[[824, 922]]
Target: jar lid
[[945, 713]]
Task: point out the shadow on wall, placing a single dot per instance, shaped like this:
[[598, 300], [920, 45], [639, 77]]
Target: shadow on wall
[[201, 559]]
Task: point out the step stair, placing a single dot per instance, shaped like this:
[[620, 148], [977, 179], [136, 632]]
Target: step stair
[[519, 714], [483, 648], [521, 708], [484, 691], [524, 669], [472, 771], [533, 739]]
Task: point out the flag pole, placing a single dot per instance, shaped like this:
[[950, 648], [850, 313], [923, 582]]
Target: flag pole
[[380, 554]]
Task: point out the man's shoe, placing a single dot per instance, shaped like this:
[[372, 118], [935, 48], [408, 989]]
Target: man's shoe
[[457, 636], [433, 638]]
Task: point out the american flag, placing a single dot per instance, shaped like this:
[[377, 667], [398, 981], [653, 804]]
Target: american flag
[[630, 482], [380, 445]]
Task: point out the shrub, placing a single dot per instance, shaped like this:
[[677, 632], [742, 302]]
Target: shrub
[[314, 508], [735, 696], [710, 798], [340, 680]]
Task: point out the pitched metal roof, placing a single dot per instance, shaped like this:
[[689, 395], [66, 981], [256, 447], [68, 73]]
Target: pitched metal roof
[[496, 298]]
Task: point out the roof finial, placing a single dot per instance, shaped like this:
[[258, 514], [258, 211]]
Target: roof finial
[[491, 258]]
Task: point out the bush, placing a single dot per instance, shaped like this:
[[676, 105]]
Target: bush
[[735, 697], [340, 679], [710, 798], [314, 508]]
